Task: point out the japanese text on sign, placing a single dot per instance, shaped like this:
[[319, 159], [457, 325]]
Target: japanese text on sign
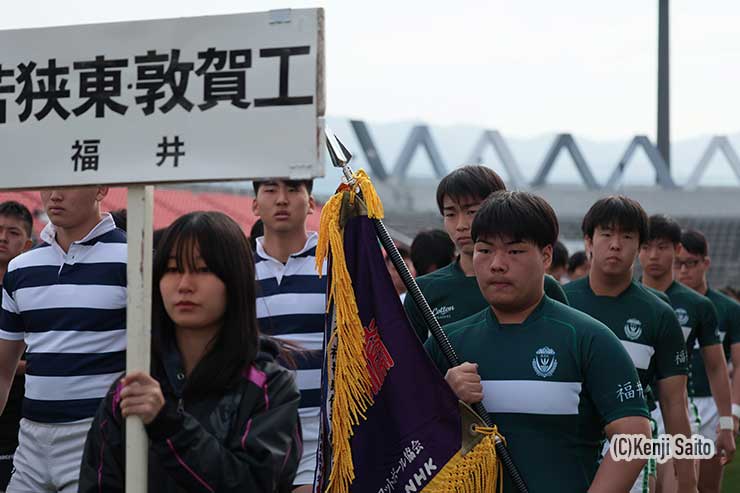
[[161, 83]]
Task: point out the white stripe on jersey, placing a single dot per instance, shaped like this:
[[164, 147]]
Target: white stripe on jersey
[[103, 253], [76, 341], [641, 354], [302, 266], [68, 388], [71, 296], [9, 303], [313, 341], [11, 336], [721, 340], [309, 413], [291, 304], [308, 379], [40, 256], [686, 332], [531, 396]]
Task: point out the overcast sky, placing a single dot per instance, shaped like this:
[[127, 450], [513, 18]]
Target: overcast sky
[[524, 67]]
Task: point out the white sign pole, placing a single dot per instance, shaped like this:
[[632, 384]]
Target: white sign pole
[[138, 323]]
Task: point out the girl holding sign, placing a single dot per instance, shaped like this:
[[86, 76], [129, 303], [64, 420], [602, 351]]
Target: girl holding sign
[[220, 413]]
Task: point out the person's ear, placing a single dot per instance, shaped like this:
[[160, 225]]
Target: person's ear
[[101, 193], [588, 243], [547, 256], [311, 204], [27, 245]]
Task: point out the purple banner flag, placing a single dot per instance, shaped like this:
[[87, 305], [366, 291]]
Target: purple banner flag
[[413, 428], [390, 423]]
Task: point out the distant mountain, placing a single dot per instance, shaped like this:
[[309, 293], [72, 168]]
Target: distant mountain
[[455, 143]]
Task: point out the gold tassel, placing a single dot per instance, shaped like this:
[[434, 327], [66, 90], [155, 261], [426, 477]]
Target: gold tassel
[[478, 471], [369, 195], [352, 386]]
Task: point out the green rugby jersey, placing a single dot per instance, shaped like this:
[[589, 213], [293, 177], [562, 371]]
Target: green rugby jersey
[[646, 325], [453, 296], [696, 314], [550, 384], [660, 294], [728, 311]]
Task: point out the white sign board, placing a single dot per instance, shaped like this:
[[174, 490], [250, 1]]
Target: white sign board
[[193, 99]]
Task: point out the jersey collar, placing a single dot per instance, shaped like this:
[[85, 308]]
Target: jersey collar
[[311, 241], [106, 224], [536, 314], [630, 287]]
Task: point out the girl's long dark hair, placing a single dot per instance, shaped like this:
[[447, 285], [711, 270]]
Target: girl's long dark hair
[[225, 250]]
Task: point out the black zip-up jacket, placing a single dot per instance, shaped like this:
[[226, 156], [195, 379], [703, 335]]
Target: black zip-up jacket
[[248, 440]]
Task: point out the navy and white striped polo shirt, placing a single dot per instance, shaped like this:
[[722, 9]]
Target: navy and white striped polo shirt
[[70, 309], [291, 305]]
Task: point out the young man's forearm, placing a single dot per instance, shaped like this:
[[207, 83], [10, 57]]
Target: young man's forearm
[[614, 476], [719, 381], [10, 355], [676, 418], [735, 374], [618, 476]]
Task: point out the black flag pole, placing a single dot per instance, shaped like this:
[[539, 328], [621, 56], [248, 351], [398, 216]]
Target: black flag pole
[[340, 158]]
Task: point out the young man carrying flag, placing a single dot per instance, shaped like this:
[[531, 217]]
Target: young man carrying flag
[[614, 228], [690, 268], [552, 378]]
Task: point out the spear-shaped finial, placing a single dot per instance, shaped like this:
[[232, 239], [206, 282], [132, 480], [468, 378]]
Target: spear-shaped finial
[[340, 155]]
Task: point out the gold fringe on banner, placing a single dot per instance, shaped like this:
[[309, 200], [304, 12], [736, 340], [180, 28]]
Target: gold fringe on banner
[[352, 386], [369, 195], [478, 471]]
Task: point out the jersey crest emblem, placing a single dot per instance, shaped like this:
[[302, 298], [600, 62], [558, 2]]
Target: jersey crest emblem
[[544, 362], [633, 329], [683, 316]]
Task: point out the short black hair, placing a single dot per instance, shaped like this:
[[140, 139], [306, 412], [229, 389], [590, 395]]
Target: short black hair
[[431, 248], [474, 181], [258, 229], [695, 242], [11, 208], [662, 227], [520, 216], [120, 217], [256, 184], [157, 237], [731, 292], [616, 211], [559, 255], [576, 260]]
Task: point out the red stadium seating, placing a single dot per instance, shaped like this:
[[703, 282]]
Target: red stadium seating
[[168, 205]]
